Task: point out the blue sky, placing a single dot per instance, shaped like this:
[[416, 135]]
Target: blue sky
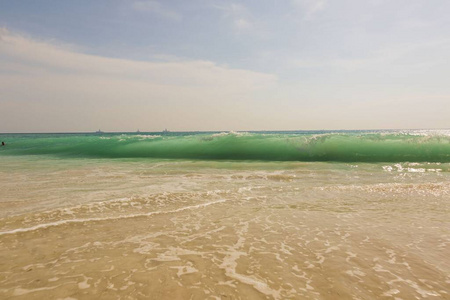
[[224, 65]]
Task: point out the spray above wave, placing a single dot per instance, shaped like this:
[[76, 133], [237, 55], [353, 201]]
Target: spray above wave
[[341, 147]]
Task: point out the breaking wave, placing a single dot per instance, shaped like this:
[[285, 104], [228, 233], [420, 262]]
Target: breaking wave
[[332, 146]]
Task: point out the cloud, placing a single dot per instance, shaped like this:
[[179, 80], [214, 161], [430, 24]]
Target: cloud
[[156, 8], [45, 86], [240, 18], [309, 7], [408, 57]]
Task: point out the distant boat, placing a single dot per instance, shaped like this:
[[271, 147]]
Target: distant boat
[[137, 131], [165, 131], [99, 131]]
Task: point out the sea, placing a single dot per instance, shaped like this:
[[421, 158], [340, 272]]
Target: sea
[[225, 215]]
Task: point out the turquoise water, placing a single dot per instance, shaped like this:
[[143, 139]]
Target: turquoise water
[[338, 146]]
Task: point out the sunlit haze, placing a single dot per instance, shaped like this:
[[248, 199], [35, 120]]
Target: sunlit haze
[[220, 65]]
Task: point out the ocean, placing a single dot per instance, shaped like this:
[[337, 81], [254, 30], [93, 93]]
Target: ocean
[[225, 215]]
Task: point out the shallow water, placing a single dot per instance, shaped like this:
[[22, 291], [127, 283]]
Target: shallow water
[[76, 227]]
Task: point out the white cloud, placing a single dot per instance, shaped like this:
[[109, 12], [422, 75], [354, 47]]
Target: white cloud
[[233, 9], [405, 56], [40, 56], [309, 7], [156, 8], [243, 24], [240, 18], [40, 82]]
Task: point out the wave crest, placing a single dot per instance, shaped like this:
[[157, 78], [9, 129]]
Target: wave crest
[[340, 147]]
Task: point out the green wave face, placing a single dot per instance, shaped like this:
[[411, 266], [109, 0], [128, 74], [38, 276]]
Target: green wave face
[[341, 147]]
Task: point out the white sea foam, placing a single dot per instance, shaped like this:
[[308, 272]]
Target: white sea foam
[[64, 222], [184, 270], [20, 291]]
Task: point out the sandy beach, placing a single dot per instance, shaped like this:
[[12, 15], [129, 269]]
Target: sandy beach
[[178, 229]]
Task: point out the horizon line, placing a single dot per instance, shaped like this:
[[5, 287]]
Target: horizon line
[[215, 131]]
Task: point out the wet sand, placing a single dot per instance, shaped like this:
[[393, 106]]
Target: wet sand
[[91, 229]]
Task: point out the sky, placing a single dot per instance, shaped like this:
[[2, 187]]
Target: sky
[[198, 65]]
